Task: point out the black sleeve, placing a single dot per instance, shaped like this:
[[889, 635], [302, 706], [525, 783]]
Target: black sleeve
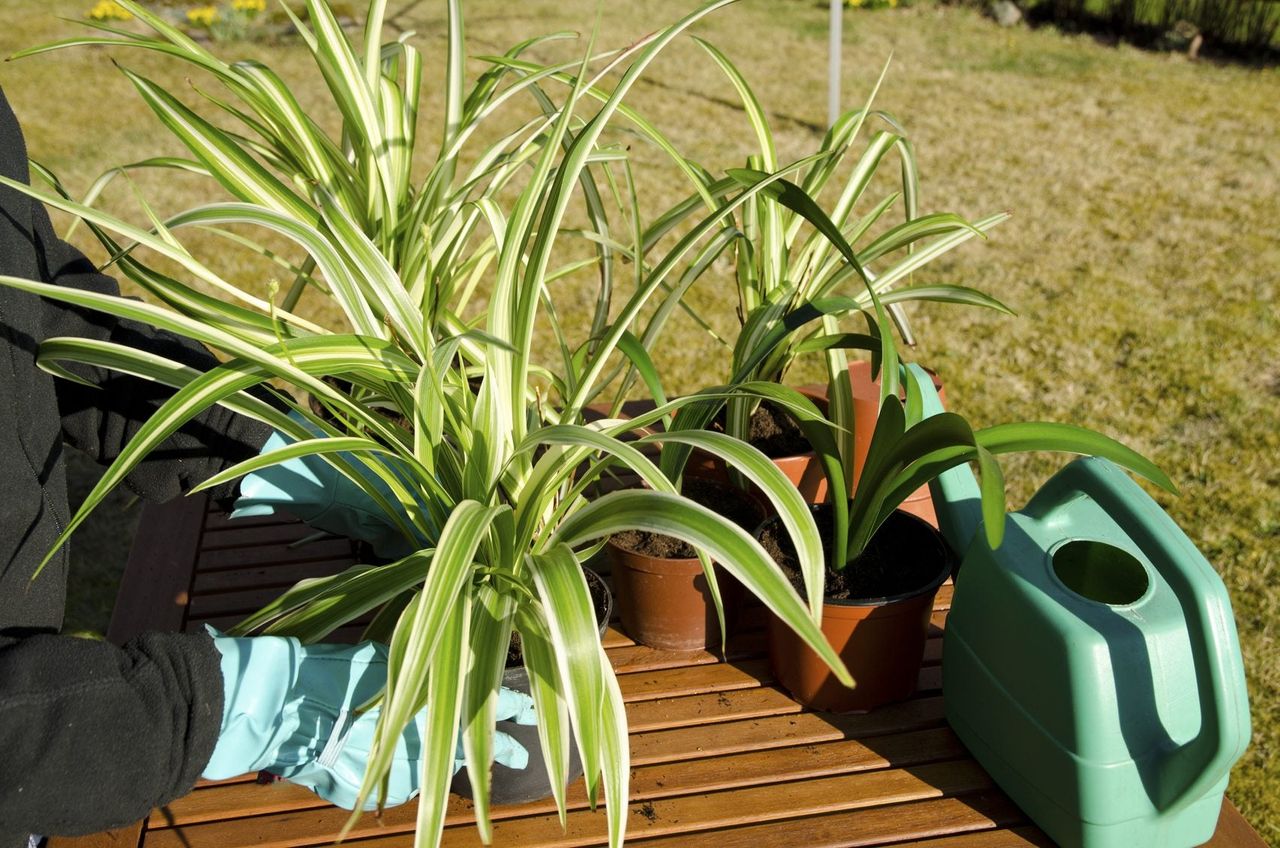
[[95, 736], [101, 419]]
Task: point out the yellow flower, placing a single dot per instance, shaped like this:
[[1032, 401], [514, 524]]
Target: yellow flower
[[203, 16], [893, 4], [252, 6], [854, 4], [109, 10]]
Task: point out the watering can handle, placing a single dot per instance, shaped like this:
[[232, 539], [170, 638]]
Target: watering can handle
[[1190, 770], [957, 500]]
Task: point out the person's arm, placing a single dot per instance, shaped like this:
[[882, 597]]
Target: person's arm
[[95, 736], [102, 418]]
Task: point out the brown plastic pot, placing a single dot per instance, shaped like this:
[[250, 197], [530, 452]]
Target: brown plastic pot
[[665, 602], [880, 640], [519, 786]]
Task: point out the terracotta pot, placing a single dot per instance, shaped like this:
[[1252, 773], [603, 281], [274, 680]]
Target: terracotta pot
[[518, 786], [665, 602], [866, 407], [880, 640], [803, 470]]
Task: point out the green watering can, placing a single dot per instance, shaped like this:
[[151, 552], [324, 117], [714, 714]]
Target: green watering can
[[1091, 663]]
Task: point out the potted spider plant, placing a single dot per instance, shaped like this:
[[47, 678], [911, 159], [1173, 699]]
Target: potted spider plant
[[488, 484], [884, 565], [794, 286]]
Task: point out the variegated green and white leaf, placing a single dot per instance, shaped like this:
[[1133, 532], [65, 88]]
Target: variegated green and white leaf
[[725, 542]]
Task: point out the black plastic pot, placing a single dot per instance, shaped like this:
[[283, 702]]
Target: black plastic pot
[[518, 786]]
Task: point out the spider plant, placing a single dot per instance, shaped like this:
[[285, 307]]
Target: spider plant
[[489, 478], [793, 285], [913, 443], [254, 138]]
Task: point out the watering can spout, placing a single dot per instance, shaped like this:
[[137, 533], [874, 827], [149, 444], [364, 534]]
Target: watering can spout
[[957, 500]]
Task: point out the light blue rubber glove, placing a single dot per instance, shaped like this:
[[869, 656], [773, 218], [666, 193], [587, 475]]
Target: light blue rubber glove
[[287, 708], [313, 490]]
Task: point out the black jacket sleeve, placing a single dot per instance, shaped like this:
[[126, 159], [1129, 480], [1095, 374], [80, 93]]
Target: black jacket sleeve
[[102, 418], [94, 736]]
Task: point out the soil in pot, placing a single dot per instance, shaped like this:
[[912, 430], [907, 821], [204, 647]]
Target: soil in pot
[[518, 786], [876, 615], [777, 435], [663, 597]]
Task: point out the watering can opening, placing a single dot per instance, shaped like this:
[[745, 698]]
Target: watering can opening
[[1100, 572]]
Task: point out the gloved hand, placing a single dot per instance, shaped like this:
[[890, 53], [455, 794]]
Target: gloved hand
[[287, 708], [315, 491]]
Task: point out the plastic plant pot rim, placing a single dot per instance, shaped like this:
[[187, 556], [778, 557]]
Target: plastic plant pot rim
[[660, 565], [681, 564], [946, 562]]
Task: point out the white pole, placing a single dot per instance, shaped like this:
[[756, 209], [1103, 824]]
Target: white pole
[[833, 64]]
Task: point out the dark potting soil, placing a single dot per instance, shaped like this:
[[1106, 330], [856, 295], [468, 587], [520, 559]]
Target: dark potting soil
[[900, 559], [599, 600], [773, 432], [732, 503]]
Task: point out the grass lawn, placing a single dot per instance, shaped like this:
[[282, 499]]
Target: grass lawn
[[1142, 256]]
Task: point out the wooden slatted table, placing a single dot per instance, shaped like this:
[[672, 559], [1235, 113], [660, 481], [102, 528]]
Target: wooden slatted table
[[722, 757]]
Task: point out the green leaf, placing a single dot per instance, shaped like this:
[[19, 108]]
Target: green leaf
[[575, 640], [617, 753], [306, 447], [229, 164], [945, 294], [314, 608], [443, 591], [1068, 438], [782, 494], [492, 617], [547, 691], [444, 712], [356, 100], [157, 244], [723, 541], [993, 504]]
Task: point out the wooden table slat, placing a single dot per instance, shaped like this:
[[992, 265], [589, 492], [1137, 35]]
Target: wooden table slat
[[1016, 837], [980, 814], [751, 805], [234, 536], [781, 731], [277, 574], [156, 584], [1233, 831]]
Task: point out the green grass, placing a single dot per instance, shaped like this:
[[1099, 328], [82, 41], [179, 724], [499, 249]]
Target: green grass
[[1141, 258]]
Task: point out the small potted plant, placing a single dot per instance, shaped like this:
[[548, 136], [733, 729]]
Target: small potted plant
[[884, 565], [665, 599]]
